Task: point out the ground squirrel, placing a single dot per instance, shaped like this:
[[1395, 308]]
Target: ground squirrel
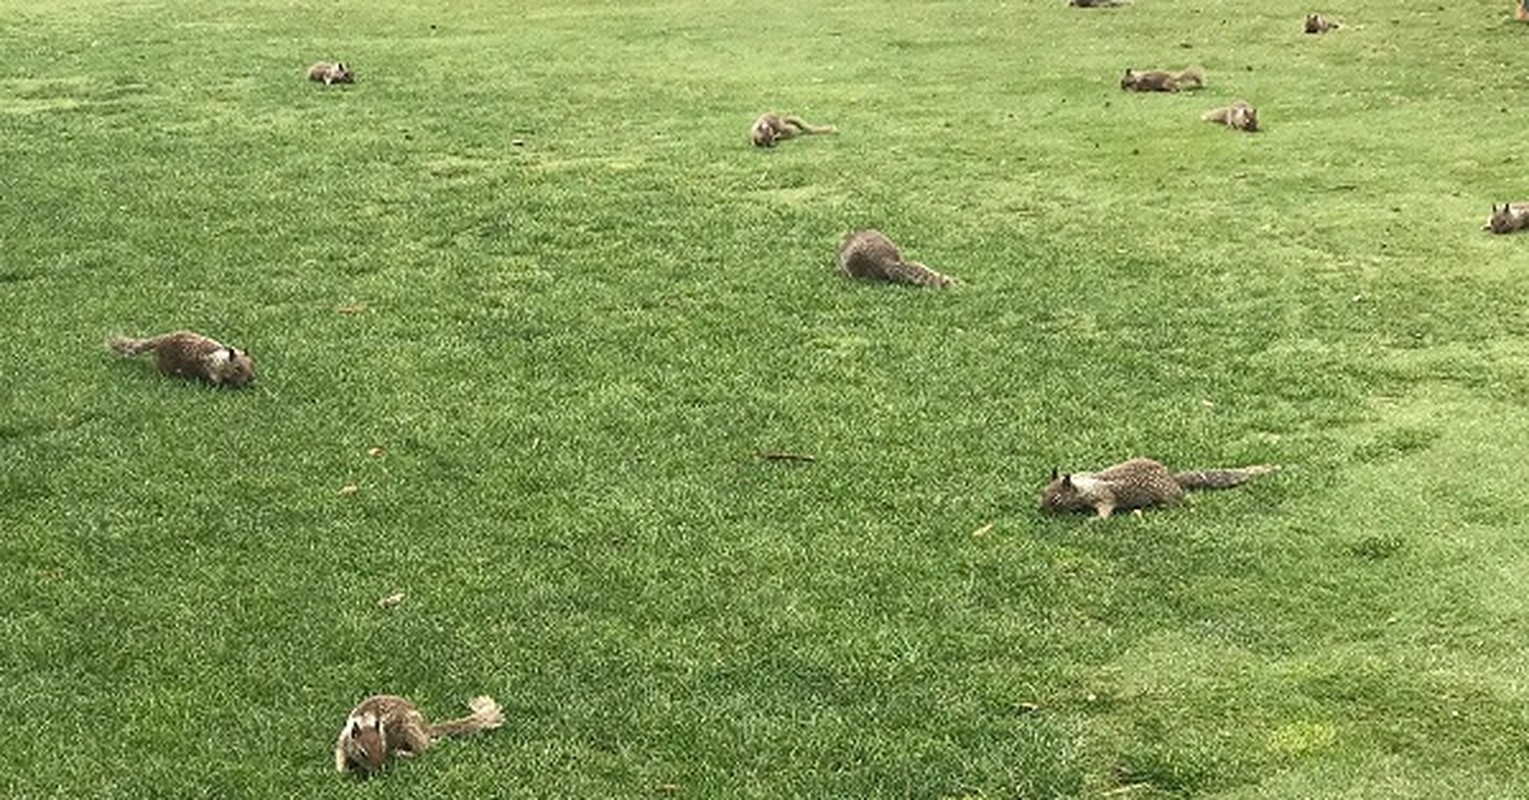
[[870, 254], [384, 724], [1137, 483], [1511, 217], [1316, 23], [191, 355], [771, 127], [1240, 115], [331, 73], [1161, 81]]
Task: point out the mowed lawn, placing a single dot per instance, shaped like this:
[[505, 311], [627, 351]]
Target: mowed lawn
[[527, 308]]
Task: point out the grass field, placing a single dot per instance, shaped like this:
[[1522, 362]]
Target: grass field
[[531, 256]]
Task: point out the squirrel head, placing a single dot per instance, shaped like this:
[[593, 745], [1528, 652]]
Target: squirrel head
[[1249, 121], [231, 367], [365, 745], [763, 133], [1061, 495], [1503, 219]]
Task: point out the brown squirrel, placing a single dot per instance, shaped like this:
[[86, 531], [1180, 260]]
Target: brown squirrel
[[385, 723], [187, 354], [1137, 483], [331, 73], [1511, 217], [1240, 115], [870, 254], [1316, 23], [1161, 81], [771, 127]]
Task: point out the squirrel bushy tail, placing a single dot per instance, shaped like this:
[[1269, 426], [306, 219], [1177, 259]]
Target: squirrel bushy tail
[[917, 274], [130, 347], [486, 715], [1193, 75], [1221, 478], [808, 127]]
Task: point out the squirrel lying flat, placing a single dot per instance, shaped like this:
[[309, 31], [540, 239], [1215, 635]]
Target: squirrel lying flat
[[187, 354], [386, 724], [869, 254], [1163, 81], [1318, 24], [1511, 217], [1240, 115], [331, 73], [1138, 483], [772, 127]]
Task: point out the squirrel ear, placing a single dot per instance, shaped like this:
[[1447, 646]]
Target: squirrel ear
[[377, 723], [355, 728], [1055, 473], [1067, 480]]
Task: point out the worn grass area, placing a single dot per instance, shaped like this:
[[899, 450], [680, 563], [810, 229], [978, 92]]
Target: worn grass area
[[531, 257]]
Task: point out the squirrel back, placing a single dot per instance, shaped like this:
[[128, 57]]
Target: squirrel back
[[1138, 483], [1162, 80], [869, 254], [187, 354], [384, 724]]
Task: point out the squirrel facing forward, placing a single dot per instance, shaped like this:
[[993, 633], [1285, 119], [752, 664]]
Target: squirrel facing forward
[[384, 724], [1138, 483], [1511, 217], [771, 127], [1240, 115], [1162, 81], [870, 254], [1318, 24], [186, 354], [331, 73]]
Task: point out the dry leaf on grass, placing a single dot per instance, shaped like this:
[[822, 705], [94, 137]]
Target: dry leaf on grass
[[391, 600]]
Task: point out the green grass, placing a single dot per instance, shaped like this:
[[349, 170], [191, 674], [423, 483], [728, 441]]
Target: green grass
[[571, 349]]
